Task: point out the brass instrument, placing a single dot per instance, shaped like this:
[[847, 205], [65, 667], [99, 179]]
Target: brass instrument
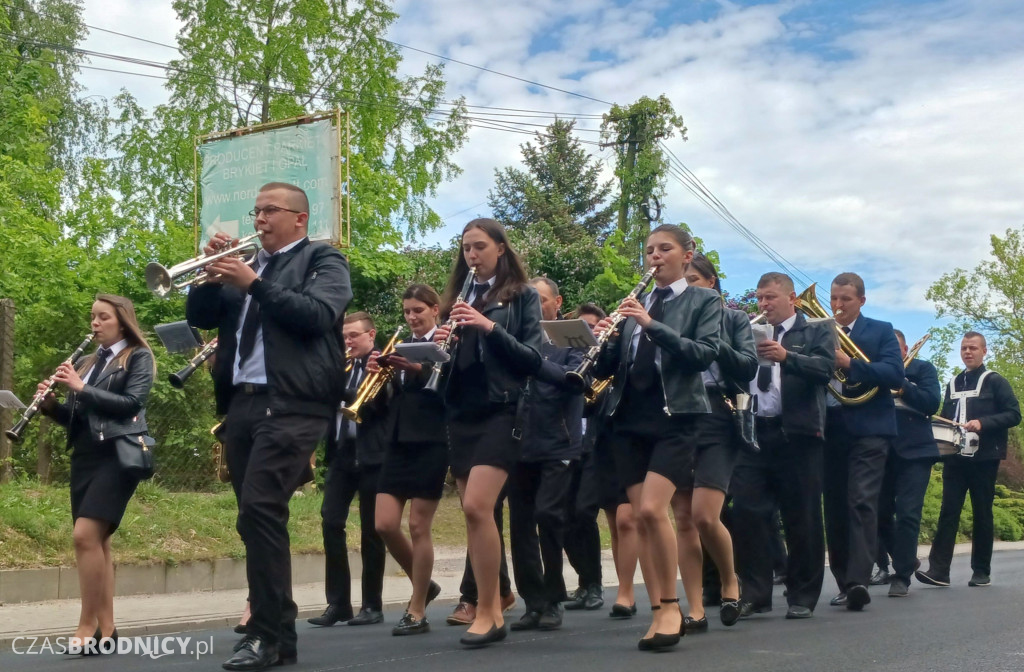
[[220, 456], [373, 383], [759, 318], [161, 280], [178, 379], [593, 393], [433, 383], [349, 362], [578, 378], [808, 304], [14, 433]]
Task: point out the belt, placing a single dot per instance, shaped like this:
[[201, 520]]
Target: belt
[[252, 388], [773, 421]]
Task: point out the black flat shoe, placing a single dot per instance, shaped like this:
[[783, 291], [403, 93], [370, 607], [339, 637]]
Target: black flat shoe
[[529, 621], [692, 625], [857, 597], [332, 614], [253, 654], [622, 611], [367, 616], [241, 629], [838, 601], [475, 641], [410, 625], [432, 592], [730, 612]]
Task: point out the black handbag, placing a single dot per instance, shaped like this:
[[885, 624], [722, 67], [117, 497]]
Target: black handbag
[[744, 412], [135, 455]]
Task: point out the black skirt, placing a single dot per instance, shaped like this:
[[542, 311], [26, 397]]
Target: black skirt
[[414, 470], [99, 488], [483, 439]]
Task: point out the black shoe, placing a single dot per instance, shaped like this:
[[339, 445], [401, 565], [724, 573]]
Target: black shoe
[[102, 645], [622, 611], [730, 612], [692, 625], [898, 587], [332, 614], [410, 625], [577, 600], [529, 621], [977, 579], [747, 610], [253, 654], [432, 592], [857, 597], [838, 601], [241, 629], [495, 634], [931, 578], [551, 619], [880, 577], [367, 616], [594, 599], [798, 611]]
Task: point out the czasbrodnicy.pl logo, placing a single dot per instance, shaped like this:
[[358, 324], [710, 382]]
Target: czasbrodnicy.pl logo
[[151, 646]]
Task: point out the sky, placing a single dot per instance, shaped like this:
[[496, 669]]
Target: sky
[[865, 135]]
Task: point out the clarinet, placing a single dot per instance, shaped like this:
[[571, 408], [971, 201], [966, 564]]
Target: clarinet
[[14, 433], [434, 382], [178, 379], [577, 379]]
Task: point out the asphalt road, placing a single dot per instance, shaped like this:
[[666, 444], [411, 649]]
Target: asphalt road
[[958, 628]]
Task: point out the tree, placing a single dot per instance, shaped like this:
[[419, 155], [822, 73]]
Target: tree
[[637, 131], [561, 186]]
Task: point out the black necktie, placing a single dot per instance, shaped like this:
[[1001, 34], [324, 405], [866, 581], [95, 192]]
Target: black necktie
[[251, 325], [764, 373], [101, 361], [479, 289], [644, 371]]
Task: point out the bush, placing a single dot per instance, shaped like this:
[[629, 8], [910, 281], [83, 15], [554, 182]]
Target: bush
[[1008, 513]]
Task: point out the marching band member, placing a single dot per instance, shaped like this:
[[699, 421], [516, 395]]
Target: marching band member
[[670, 335], [415, 463], [610, 494], [106, 399], [786, 472], [353, 455], [984, 403], [907, 470], [279, 377], [539, 484], [857, 441], [498, 349], [698, 504]]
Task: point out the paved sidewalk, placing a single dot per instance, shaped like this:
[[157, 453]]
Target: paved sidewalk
[[176, 612]]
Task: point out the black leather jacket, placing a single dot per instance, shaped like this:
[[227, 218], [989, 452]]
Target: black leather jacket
[[996, 407], [302, 300], [809, 365], [116, 404], [511, 351], [737, 355], [687, 336]]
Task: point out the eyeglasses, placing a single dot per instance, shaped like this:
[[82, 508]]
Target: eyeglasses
[[355, 334], [270, 211]]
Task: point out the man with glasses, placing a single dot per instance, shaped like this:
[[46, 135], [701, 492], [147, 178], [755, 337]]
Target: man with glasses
[[278, 377], [354, 455]]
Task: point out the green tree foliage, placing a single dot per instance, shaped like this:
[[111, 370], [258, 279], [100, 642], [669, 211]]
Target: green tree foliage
[[561, 186]]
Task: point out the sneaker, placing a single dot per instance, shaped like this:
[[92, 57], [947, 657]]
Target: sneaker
[[898, 587], [979, 579], [930, 578], [464, 614]]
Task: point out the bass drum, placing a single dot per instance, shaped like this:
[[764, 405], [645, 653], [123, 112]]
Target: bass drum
[[949, 438]]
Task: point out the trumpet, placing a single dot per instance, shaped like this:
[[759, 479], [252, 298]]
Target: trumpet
[[808, 304], [161, 280], [178, 379], [591, 394], [349, 362], [759, 318], [374, 383], [14, 433], [433, 383], [577, 379]]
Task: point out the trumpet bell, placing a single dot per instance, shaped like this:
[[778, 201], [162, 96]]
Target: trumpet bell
[[158, 279]]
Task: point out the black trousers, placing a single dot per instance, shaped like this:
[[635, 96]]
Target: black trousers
[[341, 486], [854, 468], [268, 455], [537, 494], [899, 512], [960, 476], [582, 536], [786, 474], [467, 588]]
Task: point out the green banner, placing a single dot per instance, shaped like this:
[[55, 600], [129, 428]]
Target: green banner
[[232, 170]]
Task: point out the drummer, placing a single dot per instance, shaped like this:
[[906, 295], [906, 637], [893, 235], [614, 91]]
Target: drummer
[[907, 470]]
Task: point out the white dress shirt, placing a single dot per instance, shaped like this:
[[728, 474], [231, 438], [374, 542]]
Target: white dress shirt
[[677, 287], [769, 403], [115, 350]]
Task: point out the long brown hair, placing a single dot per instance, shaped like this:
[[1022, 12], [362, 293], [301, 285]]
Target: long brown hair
[[509, 277], [124, 309]]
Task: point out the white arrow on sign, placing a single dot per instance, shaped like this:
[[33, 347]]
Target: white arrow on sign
[[229, 227]]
